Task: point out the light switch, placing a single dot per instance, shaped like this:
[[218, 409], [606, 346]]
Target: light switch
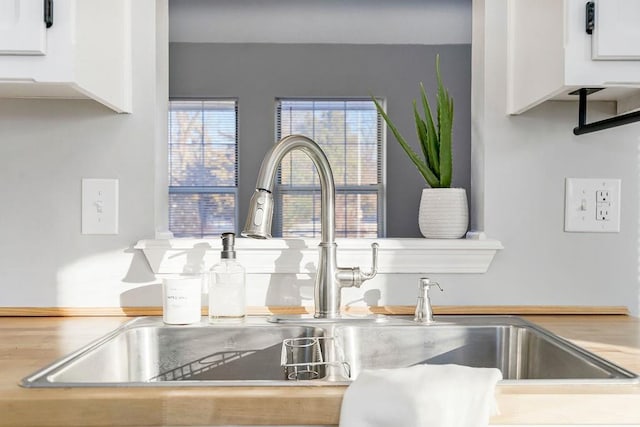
[[592, 205], [99, 206]]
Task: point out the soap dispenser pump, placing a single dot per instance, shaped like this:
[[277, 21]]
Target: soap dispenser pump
[[424, 310], [227, 284]]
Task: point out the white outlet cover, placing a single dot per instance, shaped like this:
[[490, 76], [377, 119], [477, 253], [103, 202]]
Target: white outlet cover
[[99, 206], [580, 205]]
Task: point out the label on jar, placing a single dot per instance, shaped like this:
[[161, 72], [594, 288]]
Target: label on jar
[[182, 300]]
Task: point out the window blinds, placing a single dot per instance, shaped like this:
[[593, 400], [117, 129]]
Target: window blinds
[[203, 167], [350, 133]]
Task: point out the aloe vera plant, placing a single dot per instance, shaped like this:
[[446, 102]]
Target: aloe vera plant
[[435, 141]]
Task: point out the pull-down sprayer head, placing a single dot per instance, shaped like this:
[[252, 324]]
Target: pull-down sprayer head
[[258, 224]]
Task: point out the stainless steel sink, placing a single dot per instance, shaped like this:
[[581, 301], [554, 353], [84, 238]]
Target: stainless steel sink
[[145, 352], [521, 352]]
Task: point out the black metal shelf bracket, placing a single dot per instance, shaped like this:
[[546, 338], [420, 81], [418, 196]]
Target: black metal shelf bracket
[[584, 127]]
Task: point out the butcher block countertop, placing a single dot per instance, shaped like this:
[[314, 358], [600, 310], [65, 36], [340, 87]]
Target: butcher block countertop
[[29, 343]]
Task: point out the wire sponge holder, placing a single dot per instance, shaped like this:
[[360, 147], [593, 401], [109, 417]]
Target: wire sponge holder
[[305, 358]]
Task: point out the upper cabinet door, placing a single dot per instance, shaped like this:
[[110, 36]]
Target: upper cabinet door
[[22, 27], [616, 34]]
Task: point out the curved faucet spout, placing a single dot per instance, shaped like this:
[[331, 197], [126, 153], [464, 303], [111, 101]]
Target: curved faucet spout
[[329, 277], [266, 181]]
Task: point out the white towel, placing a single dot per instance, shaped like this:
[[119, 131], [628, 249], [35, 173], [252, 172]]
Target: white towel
[[421, 396]]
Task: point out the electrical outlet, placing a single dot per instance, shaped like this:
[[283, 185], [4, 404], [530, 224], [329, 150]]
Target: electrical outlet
[[99, 206], [592, 205], [602, 196], [603, 212]]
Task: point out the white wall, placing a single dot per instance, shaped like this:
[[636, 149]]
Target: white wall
[[326, 21], [520, 163], [46, 148]]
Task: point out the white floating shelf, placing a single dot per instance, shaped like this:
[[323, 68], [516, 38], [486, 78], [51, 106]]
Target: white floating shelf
[[301, 255]]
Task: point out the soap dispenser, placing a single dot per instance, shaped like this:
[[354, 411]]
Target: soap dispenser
[[424, 311], [227, 284]]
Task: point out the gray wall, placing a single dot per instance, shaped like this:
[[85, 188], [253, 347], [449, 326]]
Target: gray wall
[[257, 74]]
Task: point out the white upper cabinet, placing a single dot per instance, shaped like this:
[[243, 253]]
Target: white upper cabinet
[[550, 53], [22, 28], [616, 30], [86, 52]]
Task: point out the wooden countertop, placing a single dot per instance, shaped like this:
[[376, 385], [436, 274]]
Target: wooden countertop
[[29, 344]]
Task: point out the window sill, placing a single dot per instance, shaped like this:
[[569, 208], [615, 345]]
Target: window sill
[[301, 255]]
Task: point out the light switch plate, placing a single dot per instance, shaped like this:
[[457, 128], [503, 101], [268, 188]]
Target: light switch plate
[[592, 205], [99, 206]]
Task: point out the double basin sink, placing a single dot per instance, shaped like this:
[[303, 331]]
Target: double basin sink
[[146, 352]]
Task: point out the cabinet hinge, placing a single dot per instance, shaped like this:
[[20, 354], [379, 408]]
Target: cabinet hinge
[[48, 13], [590, 13]]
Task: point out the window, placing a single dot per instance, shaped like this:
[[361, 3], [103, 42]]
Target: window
[[203, 167], [350, 133]]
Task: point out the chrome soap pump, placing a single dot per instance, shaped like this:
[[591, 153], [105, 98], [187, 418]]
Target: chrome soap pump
[[424, 311]]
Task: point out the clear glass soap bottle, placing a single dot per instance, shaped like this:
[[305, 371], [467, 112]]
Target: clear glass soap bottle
[[227, 284]]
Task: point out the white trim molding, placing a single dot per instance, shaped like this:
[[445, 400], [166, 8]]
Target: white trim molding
[[301, 255]]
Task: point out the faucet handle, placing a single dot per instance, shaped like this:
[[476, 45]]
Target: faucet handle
[[353, 276], [374, 263]]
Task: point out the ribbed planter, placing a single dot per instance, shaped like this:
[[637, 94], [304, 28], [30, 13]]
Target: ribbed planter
[[444, 213]]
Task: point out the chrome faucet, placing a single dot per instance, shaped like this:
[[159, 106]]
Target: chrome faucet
[[424, 310], [330, 278]]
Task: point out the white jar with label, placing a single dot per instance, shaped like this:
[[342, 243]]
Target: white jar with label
[[182, 299]]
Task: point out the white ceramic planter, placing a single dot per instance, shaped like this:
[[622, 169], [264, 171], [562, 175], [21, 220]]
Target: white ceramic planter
[[444, 213]]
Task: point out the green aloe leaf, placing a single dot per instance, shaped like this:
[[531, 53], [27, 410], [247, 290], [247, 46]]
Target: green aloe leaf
[[445, 127], [423, 168], [435, 141], [423, 136], [433, 144]]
